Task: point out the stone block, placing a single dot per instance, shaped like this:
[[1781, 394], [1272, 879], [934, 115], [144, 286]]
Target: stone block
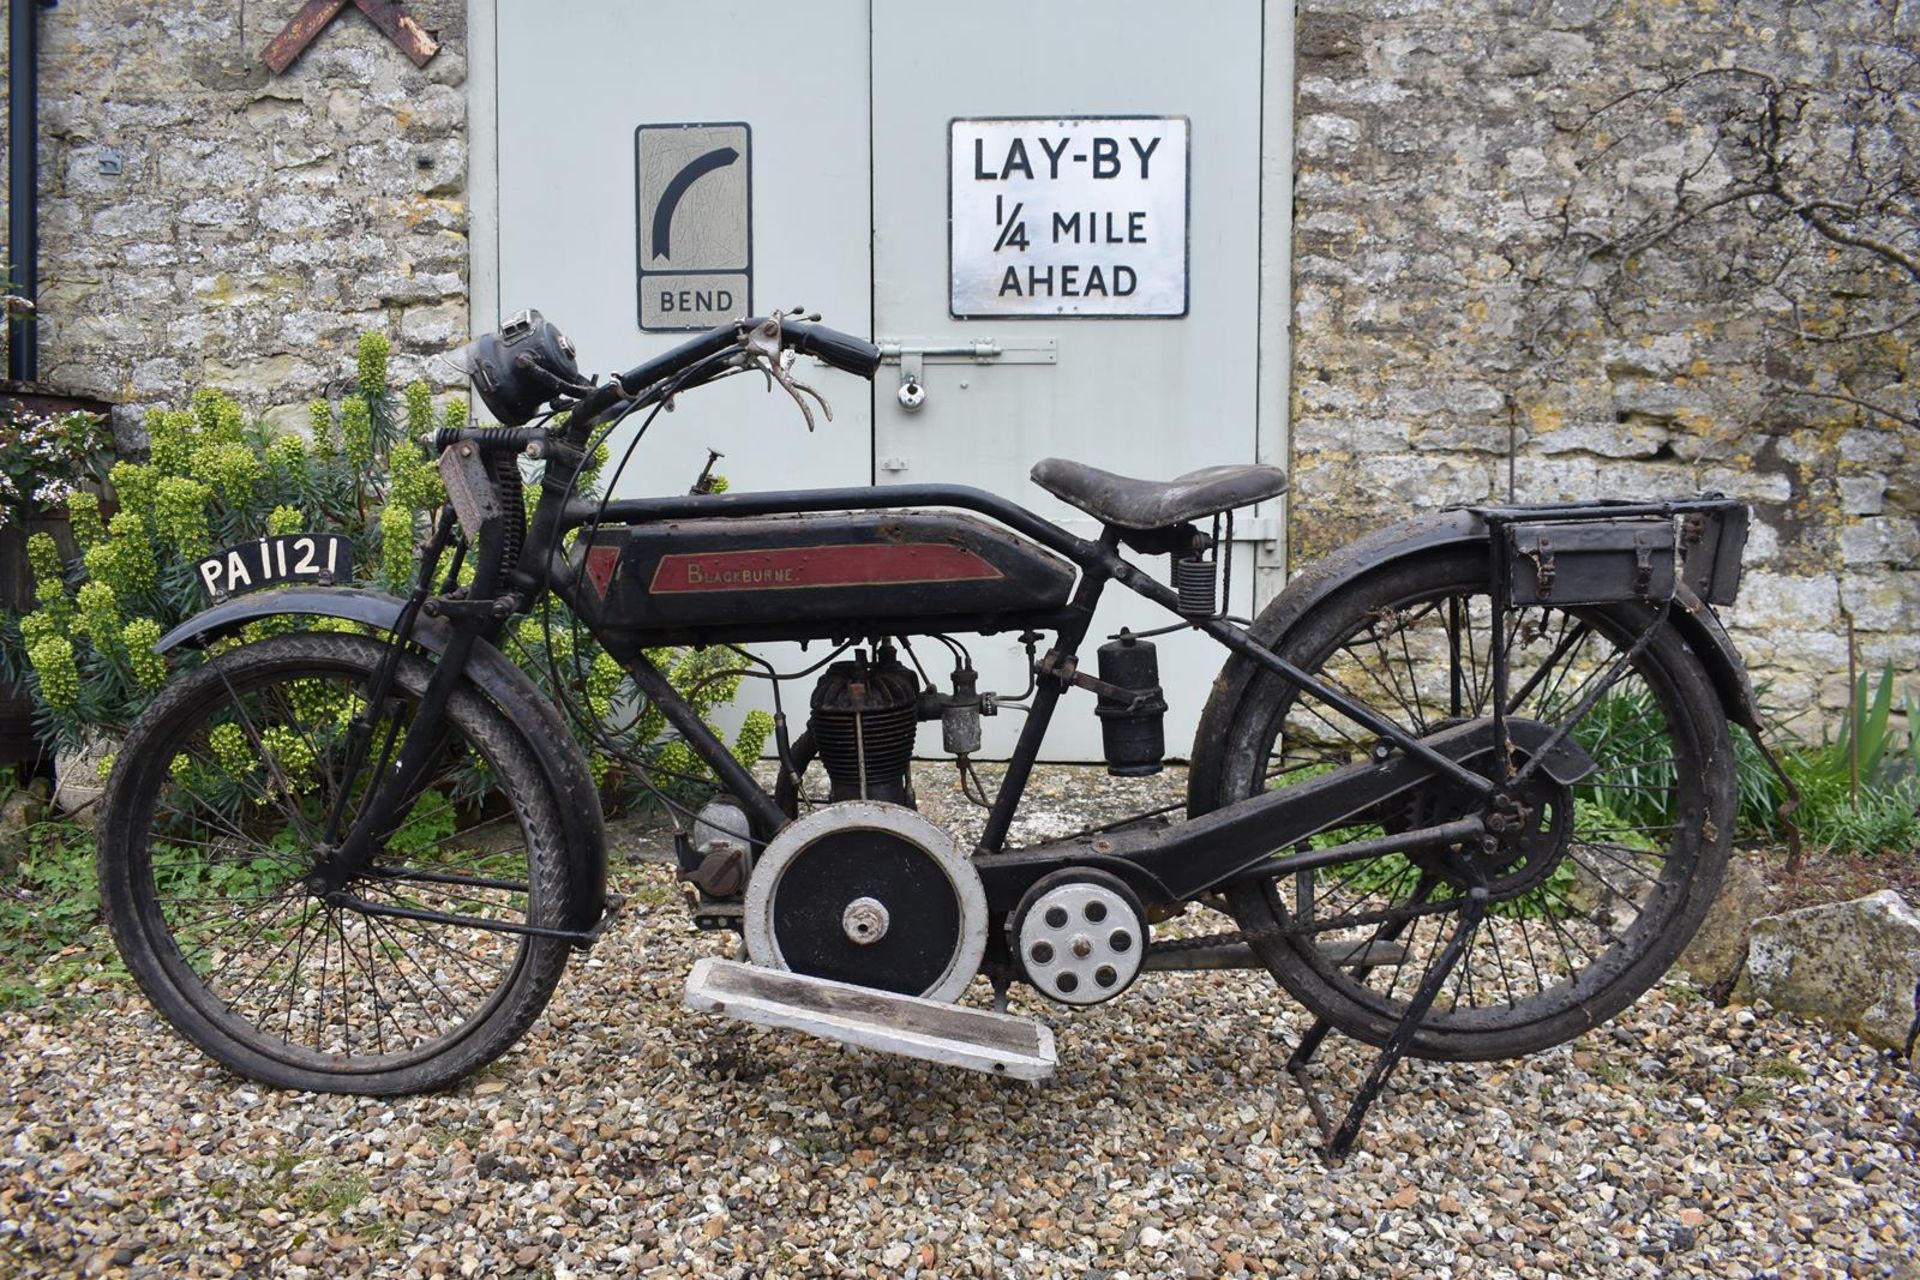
[[159, 376], [1754, 486], [1854, 965], [1446, 435], [1574, 14], [432, 112], [1769, 600], [403, 286], [1365, 435], [144, 219], [1570, 477], [290, 419], [150, 255], [208, 164], [1863, 495], [274, 379], [77, 780], [1884, 601], [310, 329], [441, 169], [448, 67], [215, 211], [301, 253], [1891, 540], [1763, 543], [1324, 134], [1634, 438], [1876, 446], [302, 213], [437, 328], [1422, 482], [1715, 955]]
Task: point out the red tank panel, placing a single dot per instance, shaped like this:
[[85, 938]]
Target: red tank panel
[[808, 576]]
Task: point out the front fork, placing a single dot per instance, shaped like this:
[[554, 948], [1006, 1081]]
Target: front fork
[[395, 777]]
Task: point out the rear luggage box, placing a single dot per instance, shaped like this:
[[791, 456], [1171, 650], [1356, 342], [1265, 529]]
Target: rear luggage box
[[1583, 554]]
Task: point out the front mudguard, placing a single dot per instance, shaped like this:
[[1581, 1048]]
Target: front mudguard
[[1692, 617], [505, 685]]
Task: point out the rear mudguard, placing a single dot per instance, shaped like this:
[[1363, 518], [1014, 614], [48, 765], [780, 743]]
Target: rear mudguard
[[502, 683], [1444, 529]]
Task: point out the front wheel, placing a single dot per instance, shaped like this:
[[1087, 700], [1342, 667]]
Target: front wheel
[[1596, 886], [212, 837]]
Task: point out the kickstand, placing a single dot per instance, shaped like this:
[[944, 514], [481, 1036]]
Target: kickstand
[[1335, 1143]]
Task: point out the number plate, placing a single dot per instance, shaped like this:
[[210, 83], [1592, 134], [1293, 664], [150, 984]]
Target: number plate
[[324, 558]]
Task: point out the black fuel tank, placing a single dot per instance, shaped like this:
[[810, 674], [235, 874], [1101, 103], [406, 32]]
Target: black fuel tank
[[815, 577]]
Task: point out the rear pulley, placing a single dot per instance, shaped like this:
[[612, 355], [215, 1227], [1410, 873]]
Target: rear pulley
[[1081, 935]]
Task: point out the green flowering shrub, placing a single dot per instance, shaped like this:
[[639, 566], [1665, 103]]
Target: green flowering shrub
[[214, 479]]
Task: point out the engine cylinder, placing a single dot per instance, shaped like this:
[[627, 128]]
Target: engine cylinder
[[864, 716]]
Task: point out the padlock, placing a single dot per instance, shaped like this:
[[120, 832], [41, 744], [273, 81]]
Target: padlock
[[912, 395]]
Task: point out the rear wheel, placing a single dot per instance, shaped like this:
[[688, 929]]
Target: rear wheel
[[1596, 887], [211, 846]]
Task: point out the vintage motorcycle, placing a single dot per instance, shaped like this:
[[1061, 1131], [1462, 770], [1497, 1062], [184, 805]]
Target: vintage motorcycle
[[1465, 787]]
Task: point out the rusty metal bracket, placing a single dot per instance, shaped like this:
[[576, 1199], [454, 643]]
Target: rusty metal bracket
[[1067, 671], [314, 16]]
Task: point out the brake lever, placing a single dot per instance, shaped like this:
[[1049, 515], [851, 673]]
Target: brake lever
[[782, 373], [763, 345]]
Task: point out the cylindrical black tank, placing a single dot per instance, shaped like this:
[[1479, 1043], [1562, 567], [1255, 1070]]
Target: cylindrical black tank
[[1132, 729]]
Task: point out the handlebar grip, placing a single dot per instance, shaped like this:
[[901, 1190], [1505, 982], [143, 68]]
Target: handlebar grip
[[841, 350]]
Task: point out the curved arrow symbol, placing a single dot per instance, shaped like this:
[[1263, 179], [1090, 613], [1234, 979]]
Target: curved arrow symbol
[[696, 169]]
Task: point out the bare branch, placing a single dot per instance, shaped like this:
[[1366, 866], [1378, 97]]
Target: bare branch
[[1899, 257], [1633, 243], [1892, 415], [1855, 335]]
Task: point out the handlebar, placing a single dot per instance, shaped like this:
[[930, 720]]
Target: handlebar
[[839, 350]]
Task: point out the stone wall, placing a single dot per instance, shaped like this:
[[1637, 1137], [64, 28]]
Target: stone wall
[[1457, 339], [257, 224]]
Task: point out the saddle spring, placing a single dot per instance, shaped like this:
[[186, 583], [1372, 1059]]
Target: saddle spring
[[1196, 575]]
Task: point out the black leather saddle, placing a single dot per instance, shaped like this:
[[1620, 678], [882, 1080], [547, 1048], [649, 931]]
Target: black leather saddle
[[1154, 504]]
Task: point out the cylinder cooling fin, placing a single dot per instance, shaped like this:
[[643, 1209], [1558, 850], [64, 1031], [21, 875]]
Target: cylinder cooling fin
[[865, 712]]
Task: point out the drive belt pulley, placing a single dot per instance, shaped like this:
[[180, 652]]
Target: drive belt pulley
[[871, 894]]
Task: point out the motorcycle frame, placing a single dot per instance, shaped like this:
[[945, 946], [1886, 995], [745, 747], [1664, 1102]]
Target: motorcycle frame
[[1168, 865]]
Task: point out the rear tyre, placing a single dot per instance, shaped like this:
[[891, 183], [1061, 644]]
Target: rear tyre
[[209, 839], [1591, 904]]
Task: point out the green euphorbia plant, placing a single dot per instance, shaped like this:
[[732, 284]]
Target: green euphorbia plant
[[214, 478]]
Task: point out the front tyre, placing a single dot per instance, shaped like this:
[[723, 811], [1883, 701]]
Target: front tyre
[[208, 837], [1591, 903]]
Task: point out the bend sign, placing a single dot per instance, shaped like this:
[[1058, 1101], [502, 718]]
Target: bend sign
[[694, 210]]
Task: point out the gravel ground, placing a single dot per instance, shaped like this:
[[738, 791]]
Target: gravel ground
[[626, 1135]]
